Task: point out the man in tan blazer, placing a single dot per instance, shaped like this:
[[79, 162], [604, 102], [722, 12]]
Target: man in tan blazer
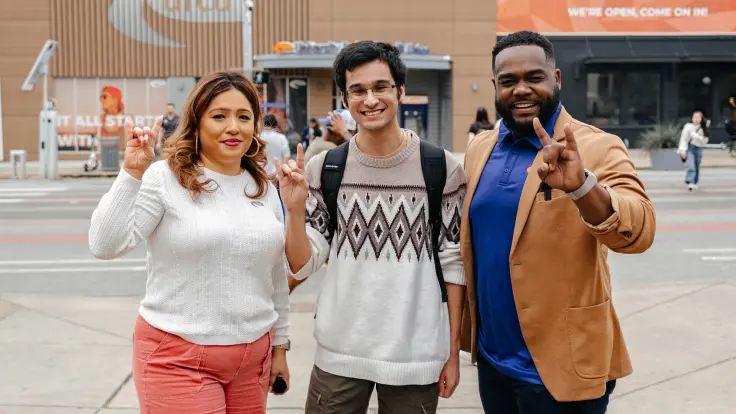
[[548, 196]]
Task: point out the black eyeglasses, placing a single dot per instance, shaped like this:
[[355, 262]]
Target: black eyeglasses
[[358, 94]]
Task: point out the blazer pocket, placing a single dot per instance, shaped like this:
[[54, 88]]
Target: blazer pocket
[[554, 195], [590, 334]]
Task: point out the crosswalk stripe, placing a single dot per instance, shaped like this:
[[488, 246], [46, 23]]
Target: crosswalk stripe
[[11, 200], [73, 270], [711, 250], [56, 209], [15, 195], [31, 189], [693, 198], [719, 258], [67, 261]]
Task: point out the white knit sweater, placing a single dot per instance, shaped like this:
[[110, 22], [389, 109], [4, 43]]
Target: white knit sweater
[[380, 315], [216, 266]]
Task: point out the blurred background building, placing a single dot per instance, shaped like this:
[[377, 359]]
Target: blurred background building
[[630, 64], [119, 58], [626, 65]]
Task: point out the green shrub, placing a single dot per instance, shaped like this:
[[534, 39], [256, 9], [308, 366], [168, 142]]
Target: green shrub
[[661, 136]]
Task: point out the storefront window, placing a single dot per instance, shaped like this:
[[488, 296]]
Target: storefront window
[[336, 99], [696, 93], [642, 98], [96, 108], [604, 99], [276, 98], [287, 100], [298, 104], [627, 98], [727, 99]]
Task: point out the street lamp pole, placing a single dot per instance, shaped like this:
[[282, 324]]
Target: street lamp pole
[[248, 39]]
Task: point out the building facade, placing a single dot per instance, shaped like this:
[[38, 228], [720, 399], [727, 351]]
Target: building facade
[[630, 64], [120, 59]]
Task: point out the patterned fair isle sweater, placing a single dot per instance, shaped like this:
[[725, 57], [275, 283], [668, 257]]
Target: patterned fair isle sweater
[[380, 315]]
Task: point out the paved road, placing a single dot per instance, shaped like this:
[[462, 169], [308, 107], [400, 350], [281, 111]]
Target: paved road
[[43, 240], [64, 313], [43, 234]]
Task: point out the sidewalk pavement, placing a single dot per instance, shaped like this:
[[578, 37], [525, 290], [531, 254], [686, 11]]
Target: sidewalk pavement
[[75, 168], [64, 355]]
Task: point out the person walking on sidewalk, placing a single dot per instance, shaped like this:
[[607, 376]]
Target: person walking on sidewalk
[[548, 196], [277, 145], [389, 312], [692, 140], [481, 124], [331, 139], [213, 326], [169, 124]]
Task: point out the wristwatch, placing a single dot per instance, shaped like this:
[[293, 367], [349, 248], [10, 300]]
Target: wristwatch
[[590, 181], [286, 346]]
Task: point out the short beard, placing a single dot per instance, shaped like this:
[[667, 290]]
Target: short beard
[[526, 129]]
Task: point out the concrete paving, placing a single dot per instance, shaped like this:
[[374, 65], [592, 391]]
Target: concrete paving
[[72, 354], [66, 319]]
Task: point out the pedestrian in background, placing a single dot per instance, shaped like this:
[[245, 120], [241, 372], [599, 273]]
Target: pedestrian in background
[[339, 127], [730, 127], [168, 126], [548, 197], [213, 327], [277, 145], [310, 132], [386, 318], [482, 123], [692, 140]]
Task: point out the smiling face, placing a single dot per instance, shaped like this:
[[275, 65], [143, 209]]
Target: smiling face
[[373, 113], [527, 86], [226, 128]]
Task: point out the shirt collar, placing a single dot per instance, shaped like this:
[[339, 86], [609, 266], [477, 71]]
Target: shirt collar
[[506, 136]]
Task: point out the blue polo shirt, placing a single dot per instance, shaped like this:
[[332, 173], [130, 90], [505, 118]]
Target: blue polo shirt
[[493, 217]]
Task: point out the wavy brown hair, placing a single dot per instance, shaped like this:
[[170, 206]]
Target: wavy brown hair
[[180, 150]]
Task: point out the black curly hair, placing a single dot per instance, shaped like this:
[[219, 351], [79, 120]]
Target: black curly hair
[[524, 38], [360, 53]]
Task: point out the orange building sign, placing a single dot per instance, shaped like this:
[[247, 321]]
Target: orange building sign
[[578, 17]]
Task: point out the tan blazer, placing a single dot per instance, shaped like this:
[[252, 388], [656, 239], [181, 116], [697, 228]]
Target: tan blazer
[[559, 270]]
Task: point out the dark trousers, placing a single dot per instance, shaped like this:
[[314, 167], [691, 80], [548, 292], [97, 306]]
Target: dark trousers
[[501, 394], [333, 394]]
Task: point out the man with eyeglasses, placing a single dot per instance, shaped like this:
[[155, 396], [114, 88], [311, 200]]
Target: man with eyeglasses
[[382, 320]]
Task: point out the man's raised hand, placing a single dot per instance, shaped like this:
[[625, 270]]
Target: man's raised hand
[[562, 168]]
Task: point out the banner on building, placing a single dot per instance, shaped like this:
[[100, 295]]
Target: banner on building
[[96, 108], [600, 17]]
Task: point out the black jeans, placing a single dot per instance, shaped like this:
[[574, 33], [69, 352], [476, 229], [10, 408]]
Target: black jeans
[[501, 394]]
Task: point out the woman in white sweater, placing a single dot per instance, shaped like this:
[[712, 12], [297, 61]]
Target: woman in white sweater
[[692, 140], [212, 332]]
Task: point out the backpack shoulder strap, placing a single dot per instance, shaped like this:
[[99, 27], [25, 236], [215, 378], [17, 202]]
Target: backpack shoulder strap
[[434, 170], [333, 168]]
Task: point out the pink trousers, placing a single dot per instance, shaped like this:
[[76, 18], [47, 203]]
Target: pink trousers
[[175, 376]]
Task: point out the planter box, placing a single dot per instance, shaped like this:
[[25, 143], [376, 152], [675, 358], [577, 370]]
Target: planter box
[[666, 159]]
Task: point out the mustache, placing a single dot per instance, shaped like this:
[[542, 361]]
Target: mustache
[[547, 108]]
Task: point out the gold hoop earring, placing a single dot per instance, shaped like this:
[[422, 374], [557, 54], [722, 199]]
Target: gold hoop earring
[[257, 151], [196, 144]]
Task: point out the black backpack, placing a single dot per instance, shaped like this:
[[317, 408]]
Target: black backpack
[[434, 170]]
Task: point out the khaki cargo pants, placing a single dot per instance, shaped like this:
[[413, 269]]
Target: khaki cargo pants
[[333, 394]]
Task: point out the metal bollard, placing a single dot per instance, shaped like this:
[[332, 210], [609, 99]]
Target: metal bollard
[[21, 157]]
